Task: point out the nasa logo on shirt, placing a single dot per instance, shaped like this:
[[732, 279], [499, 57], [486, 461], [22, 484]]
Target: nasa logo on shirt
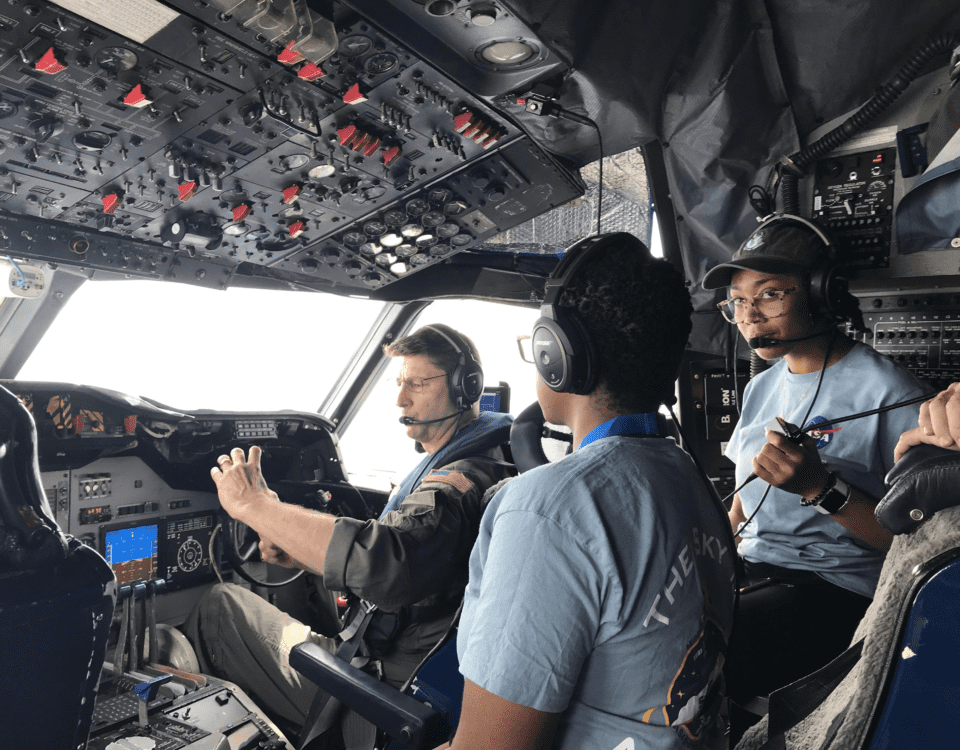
[[823, 437]]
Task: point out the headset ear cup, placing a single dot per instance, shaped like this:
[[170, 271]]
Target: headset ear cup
[[562, 353], [465, 384]]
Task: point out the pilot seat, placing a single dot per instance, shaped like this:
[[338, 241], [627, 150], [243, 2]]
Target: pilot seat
[[56, 601]]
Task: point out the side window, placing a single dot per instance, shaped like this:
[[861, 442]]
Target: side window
[[376, 450]]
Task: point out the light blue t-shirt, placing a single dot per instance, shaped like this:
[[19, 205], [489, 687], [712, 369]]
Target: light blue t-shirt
[[793, 536], [601, 586]]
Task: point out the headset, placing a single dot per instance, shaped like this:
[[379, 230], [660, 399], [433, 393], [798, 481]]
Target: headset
[[828, 290], [562, 350], [465, 380]]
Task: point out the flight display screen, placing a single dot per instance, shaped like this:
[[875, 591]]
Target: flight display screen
[[132, 552]]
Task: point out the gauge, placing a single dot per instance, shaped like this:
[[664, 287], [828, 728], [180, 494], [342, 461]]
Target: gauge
[[439, 251], [461, 239], [454, 208], [374, 228], [405, 250], [391, 240], [115, 59], [382, 62], [235, 228], [373, 192], [293, 161], [386, 259], [354, 239], [395, 218], [190, 555], [370, 248], [877, 186], [7, 109], [411, 230], [417, 207], [354, 46], [440, 195], [399, 268], [419, 260], [321, 171], [233, 197], [426, 240], [257, 235], [92, 140], [447, 230], [432, 219]]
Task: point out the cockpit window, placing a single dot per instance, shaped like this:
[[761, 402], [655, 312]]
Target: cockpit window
[[194, 348]]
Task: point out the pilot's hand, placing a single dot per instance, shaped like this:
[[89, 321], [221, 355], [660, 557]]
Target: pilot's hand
[[271, 553], [791, 467], [240, 484], [939, 423]]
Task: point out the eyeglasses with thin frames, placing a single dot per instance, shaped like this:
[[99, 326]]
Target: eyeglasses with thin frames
[[525, 345], [770, 303], [416, 384]]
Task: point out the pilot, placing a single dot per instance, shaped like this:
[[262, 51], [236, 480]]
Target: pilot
[[411, 563], [811, 546], [601, 586]]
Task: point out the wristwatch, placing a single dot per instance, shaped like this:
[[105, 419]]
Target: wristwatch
[[833, 497]]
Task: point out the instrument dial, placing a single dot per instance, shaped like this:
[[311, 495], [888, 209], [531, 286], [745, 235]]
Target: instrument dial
[[190, 555]]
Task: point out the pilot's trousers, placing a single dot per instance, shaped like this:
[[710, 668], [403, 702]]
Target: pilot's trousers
[[242, 638]]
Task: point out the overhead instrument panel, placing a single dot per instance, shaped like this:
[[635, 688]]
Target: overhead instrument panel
[[226, 142]]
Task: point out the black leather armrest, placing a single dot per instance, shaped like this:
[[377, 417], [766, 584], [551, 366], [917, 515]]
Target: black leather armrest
[[405, 719], [925, 480]]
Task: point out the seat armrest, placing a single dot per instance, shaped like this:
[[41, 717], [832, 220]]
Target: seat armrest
[[921, 483], [405, 719]]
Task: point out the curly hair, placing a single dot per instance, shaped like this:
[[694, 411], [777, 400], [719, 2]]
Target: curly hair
[[637, 312]]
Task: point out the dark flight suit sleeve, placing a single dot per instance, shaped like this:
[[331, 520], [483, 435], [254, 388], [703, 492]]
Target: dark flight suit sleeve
[[419, 550]]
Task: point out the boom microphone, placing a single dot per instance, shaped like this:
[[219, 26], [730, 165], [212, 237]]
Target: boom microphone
[[762, 342], [411, 420]]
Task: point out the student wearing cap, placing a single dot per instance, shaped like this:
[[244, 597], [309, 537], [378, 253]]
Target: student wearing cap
[[811, 546]]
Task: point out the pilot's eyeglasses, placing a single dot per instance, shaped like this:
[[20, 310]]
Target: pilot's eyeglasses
[[770, 303], [416, 384], [525, 345]]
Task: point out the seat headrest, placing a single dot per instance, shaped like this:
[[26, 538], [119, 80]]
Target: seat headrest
[[29, 537]]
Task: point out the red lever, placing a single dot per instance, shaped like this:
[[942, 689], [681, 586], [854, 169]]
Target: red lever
[[49, 63], [290, 56], [188, 190], [291, 193], [111, 202], [137, 97], [310, 72]]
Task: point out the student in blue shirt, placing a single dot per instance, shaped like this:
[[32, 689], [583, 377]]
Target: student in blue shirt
[[810, 541], [601, 586]]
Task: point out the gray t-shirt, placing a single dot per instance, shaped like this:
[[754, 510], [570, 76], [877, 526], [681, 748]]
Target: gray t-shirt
[[601, 586], [784, 532]]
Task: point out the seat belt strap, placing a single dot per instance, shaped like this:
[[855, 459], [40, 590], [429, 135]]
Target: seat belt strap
[[325, 707]]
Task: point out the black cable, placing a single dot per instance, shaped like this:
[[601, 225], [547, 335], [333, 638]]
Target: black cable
[[816, 393], [584, 120], [711, 490], [823, 369], [839, 420]]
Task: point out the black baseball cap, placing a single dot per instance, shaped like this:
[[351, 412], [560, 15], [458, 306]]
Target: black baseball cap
[[783, 244]]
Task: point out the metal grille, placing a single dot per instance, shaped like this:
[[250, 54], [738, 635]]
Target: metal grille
[[626, 208]]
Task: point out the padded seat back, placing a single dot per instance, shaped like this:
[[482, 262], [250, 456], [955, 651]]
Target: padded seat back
[[890, 699], [56, 602]]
